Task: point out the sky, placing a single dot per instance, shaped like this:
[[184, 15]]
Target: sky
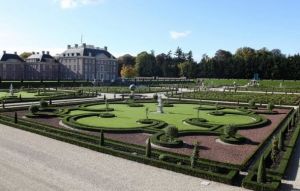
[[133, 26]]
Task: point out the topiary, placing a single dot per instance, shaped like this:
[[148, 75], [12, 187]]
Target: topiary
[[33, 109], [171, 132], [155, 96], [195, 154], [270, 106], [101, 138], [162, 157], [148, 148], [261, 172], [43, 104], [275, 150], [230, 131]]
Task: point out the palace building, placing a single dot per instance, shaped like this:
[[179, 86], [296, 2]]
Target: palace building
[[84, 62]]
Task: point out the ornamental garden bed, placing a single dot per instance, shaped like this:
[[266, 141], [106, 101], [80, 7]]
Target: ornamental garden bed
[[131, 131]]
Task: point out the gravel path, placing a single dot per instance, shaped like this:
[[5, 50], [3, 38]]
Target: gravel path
[[32, 162]]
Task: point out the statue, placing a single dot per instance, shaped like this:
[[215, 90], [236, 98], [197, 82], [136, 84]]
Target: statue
[[160, 105], [11, 90]]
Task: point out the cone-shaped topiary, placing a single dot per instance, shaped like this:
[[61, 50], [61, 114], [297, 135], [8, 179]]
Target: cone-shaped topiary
[[261, 172], [275, 149], [148, 148], [270, 106], [195, 154], [16, 117], [280, 141], [101, 138]]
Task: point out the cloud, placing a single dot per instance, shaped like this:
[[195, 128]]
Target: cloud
[[68, 4], [176, 35]]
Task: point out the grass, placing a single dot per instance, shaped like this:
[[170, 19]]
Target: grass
[[23, 94], [127, 116]]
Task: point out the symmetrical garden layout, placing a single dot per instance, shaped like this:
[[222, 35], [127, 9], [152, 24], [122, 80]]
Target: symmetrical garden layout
[[209, 141]]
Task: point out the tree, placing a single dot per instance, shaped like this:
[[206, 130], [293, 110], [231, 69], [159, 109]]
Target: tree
[[25, 55], [144, 64], [147, 112], [128, 72], [195, 154], [125, 60], [261, 172], [171, 132], [148, 148]]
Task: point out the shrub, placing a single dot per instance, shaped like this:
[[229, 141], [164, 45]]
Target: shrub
[[107, 115], [270, 106], [230, 131], [148, 148], [275, 149], [43, 104], [261, 173], [171, 132], [16, 118], [33, 109], [101, 138], [155, 96], [251, 103], [280, 141], [162, 157], [195, 154]]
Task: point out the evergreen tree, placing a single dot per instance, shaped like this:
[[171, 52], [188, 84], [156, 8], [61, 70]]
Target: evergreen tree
[[101, 138], [148, 148], [195, 154]]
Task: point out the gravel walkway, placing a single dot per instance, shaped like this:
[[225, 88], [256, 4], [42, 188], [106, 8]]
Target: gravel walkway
[[32, 162]]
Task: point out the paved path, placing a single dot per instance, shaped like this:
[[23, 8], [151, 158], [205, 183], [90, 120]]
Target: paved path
[[32, 162]]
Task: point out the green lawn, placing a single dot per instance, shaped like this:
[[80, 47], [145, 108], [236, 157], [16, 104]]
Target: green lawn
[[127, 116], [23, 94]]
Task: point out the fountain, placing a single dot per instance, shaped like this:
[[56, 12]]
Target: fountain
[[132, 88], [160, 105], [11, 90]]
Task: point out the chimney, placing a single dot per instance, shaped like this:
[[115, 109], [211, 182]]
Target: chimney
[[4, 52], [43, 52], [69, 46], [76, 45], [105, 48], [16, 53], [48, 52], [33, 52], [84, 45]]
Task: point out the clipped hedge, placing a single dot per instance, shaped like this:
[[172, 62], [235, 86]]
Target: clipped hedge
[[161, 140], [250, 182]]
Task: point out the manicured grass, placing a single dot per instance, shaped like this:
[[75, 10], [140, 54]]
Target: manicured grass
[[23, 94], [127, 116]]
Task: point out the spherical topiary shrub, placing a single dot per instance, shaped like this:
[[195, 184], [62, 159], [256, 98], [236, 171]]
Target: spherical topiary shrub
[[33, 109], [171, 132], [43, 104], [107, 115]]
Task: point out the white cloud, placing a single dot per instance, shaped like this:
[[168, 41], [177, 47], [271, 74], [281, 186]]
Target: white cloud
[[176, 35], [68, 4]]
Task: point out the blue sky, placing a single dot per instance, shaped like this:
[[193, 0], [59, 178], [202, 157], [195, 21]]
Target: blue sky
[[132, 26]]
